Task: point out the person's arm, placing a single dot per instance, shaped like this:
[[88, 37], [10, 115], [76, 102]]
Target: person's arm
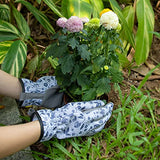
[[17, 137], [9, 85]]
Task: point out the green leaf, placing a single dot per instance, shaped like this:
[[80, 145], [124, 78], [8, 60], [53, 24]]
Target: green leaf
[[83, 81], [4, 12], [129, 15], [15, 58], [6, 36], [83, 51], [97, 6], [129, 36], [73, 42], [80, 8], [32, 64], [89, 94], [8, 31], [103, 86], [145, 27], [53, 7], [43, 20], [22, 24], [116, 75], [4, 47], [64, 150], [119, 121], [56, 50], [66, 64], [98, 63]]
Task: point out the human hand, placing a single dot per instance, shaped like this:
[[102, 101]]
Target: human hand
[[73, 119]]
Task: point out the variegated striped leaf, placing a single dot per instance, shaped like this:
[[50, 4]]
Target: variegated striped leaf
[[15, 58], [4, 47]]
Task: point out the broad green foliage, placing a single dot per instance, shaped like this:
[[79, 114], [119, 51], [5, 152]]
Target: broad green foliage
[[88, 63], [13, 54], [142, 40], [4, 12], [15, 58], [145, 27], [82, 8], [39, 15], [4, 47], [21, 23]]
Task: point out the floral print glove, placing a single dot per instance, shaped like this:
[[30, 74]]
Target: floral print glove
[[73, 119], [44, 92]]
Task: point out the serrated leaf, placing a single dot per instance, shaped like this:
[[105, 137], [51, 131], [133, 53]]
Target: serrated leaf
[[89, 95], [15, 58], [97, 64], [83, 81], [73, 43], [103, 86], [56, 50], [22, 24], [116, 75], [83, 52], [67, 64], [4, 47], [43, 20]]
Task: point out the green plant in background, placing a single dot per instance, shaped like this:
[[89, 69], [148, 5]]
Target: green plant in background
[[141, 41], [14, 37], [87, 55], [82, 8]]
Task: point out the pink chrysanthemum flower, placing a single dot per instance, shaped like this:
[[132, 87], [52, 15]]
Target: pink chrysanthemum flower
[[61, 22], [74, 24]]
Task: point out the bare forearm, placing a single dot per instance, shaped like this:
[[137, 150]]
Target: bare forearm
[[9, 85], [17, 137]]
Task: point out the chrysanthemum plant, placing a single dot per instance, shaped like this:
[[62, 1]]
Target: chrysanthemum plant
[[86, 52]]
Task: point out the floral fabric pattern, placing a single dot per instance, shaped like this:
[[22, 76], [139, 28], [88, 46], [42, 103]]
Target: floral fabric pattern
[[75, 119], [40, 86]]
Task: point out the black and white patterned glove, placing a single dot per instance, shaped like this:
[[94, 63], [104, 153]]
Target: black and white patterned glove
[[44, 92], [73, 119]]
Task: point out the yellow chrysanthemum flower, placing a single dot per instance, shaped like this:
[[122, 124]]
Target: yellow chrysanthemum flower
[[104, 11], [106, 67]]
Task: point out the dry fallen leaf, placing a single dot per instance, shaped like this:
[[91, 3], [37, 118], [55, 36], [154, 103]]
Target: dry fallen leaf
[[2, 107]]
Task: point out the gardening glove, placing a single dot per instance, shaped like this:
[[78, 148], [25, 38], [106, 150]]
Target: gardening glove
[[73, 119], [44, 92]]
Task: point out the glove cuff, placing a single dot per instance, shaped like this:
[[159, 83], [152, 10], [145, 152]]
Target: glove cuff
[[19, 102], [34, 115]]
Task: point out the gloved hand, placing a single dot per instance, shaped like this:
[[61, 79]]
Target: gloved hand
[[73, 119], [44, 92]]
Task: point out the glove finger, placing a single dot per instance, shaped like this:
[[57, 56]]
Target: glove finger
[[97, 126], [87, 105], [98, 113]]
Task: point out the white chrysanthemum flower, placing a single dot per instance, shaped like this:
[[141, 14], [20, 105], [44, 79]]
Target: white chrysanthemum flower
[[109, 20]]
